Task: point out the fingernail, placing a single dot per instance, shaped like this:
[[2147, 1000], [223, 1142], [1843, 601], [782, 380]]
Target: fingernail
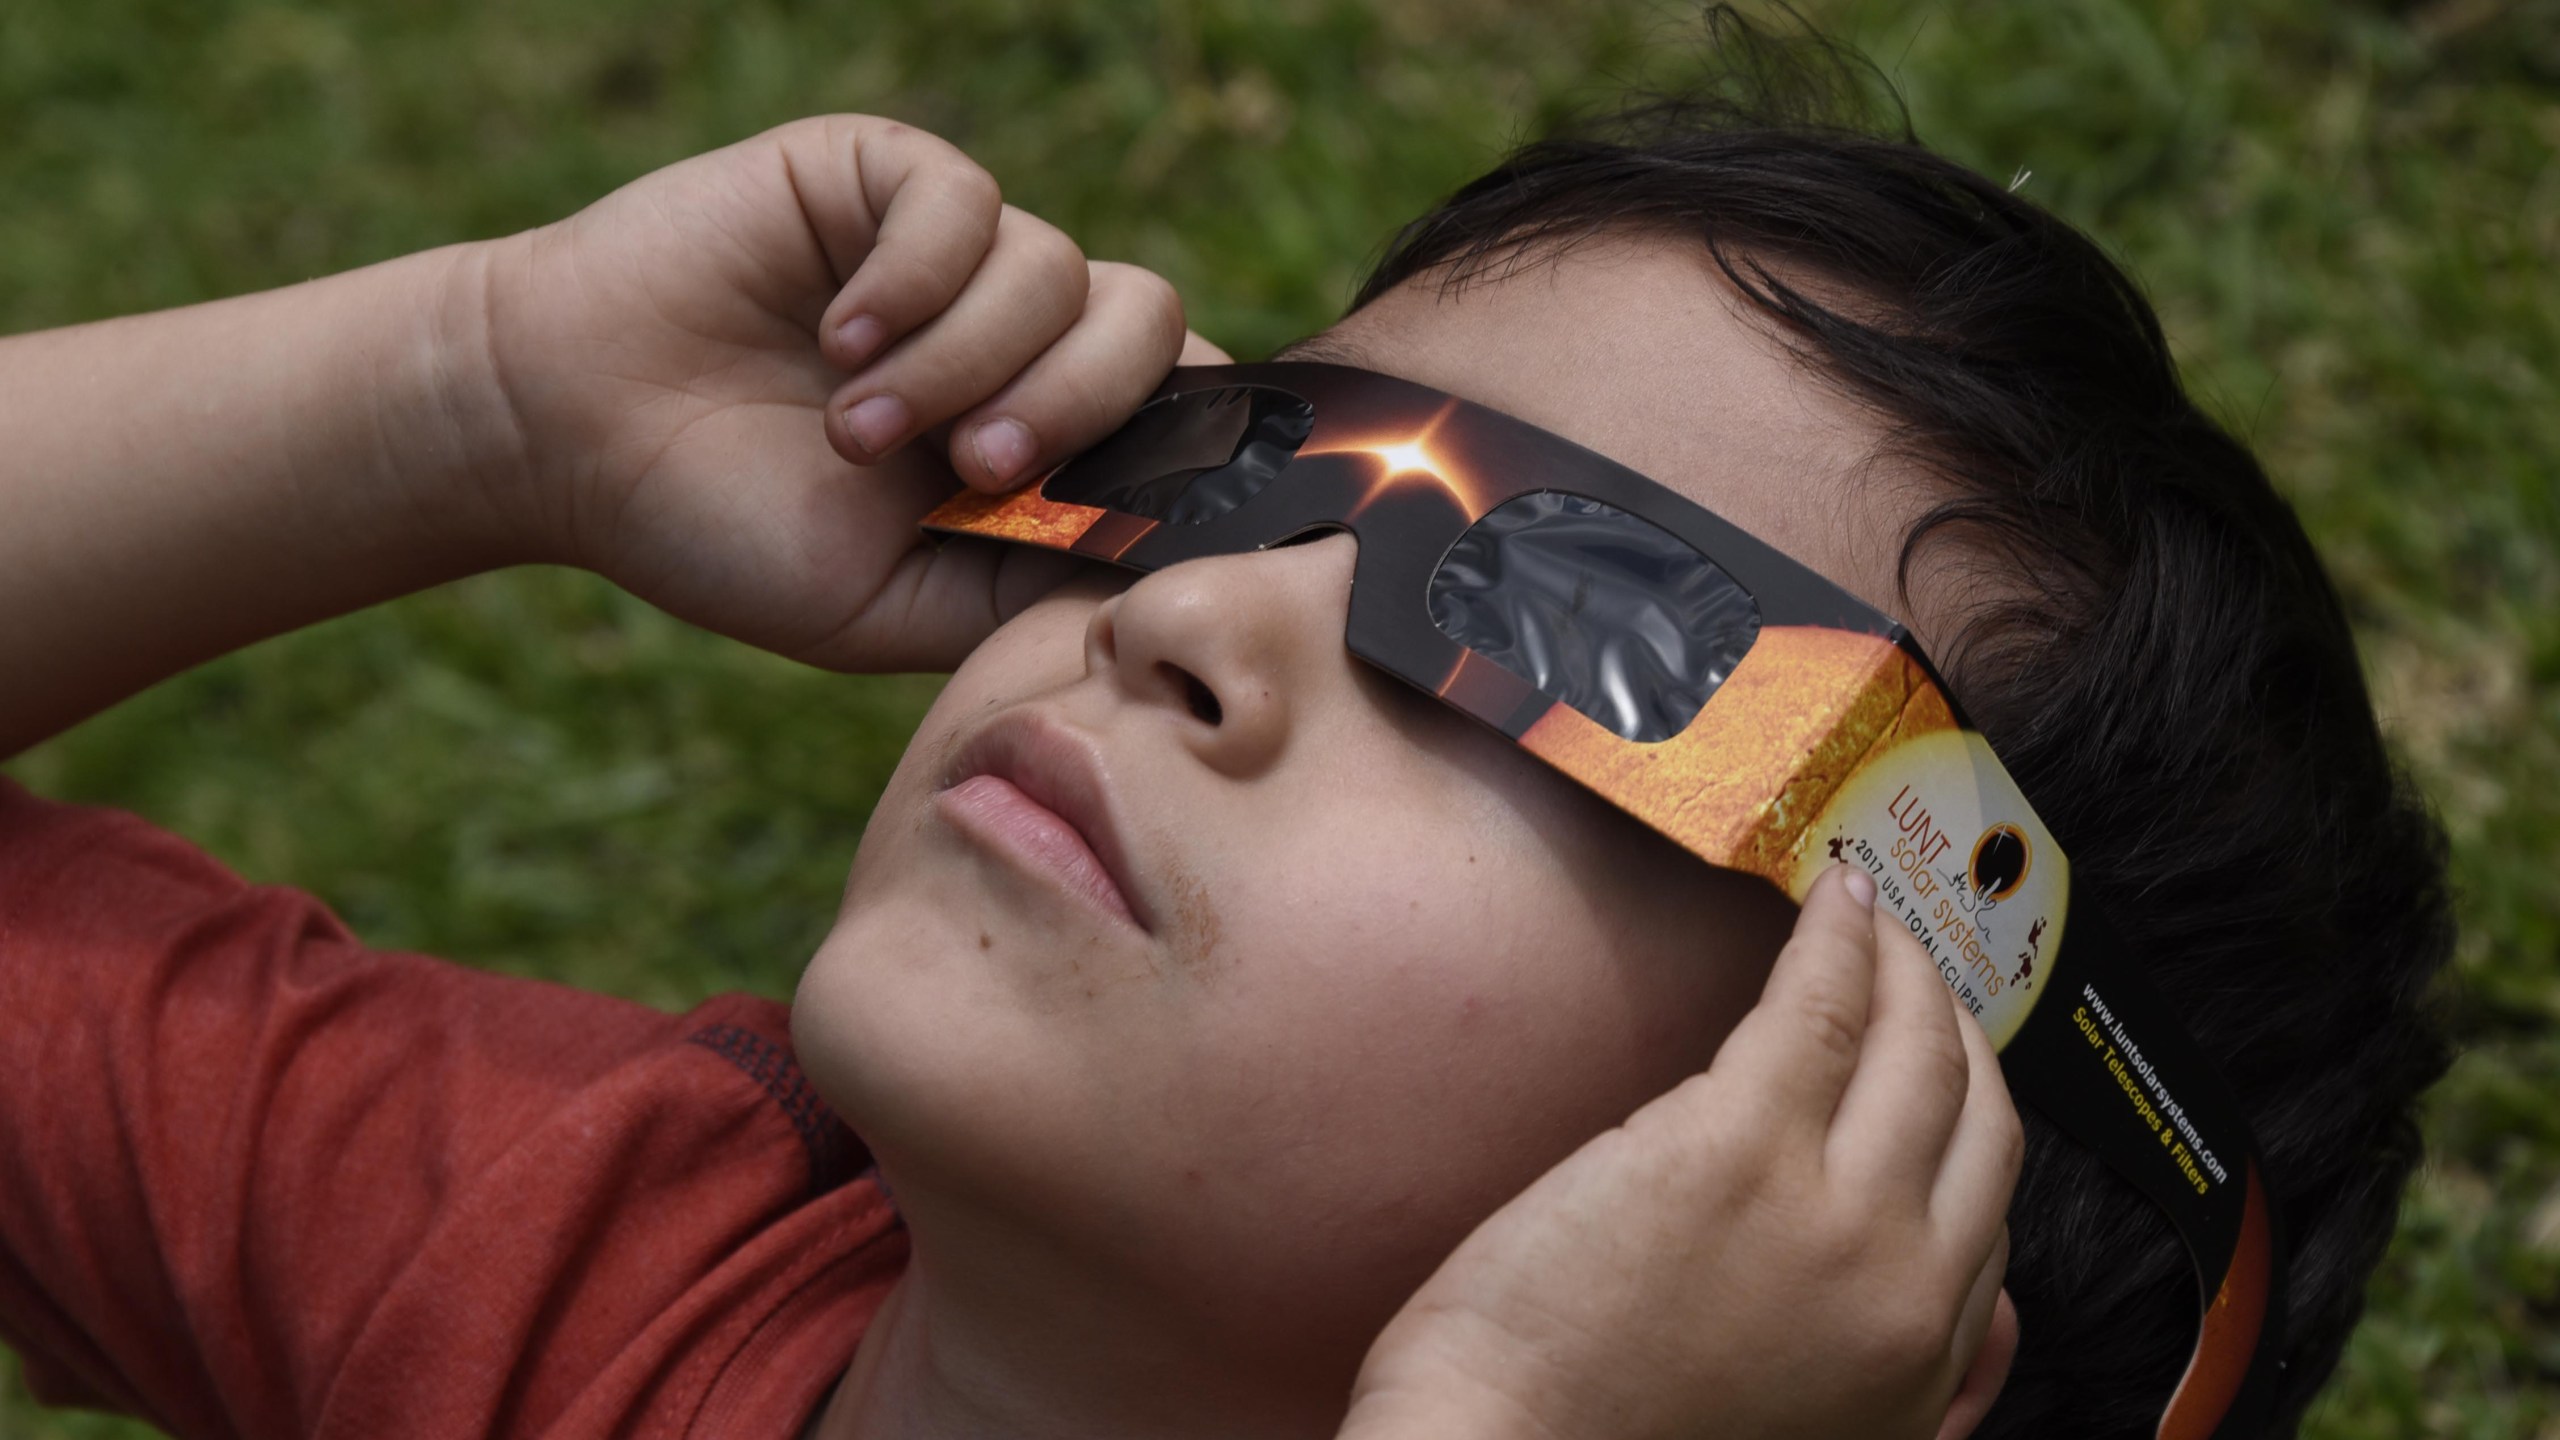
[[857, 338], [1862, 887], [877, 423], [1004, 447]]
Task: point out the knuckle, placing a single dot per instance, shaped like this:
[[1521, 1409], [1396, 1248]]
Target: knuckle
[[1829, 1023], [1062, 260], [971, 183], [1145, 295], [1942, 1069], [1864, 1233], [1845, 1235], [1042, 254], [1164, 309], [1904, 1335], [1752, 1163], [1036, 237], [1743, 1156], [1686, 1145], [1620, 1146], [1675, 1112], [2009, 1137]]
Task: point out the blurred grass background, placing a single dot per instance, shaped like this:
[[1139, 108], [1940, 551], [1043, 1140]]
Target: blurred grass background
[[2349, 214]]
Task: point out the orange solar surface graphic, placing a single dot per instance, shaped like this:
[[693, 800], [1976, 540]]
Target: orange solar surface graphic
[[1025, 515], [2230, 1331], [1738, 787]]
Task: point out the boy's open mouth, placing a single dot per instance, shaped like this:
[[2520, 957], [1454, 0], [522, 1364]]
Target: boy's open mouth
[[1032, 787]]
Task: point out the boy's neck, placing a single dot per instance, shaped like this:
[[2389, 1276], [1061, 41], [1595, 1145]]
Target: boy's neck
[[1015, 1349]]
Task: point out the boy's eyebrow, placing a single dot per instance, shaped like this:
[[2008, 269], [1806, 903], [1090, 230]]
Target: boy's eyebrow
[[1327, 347]]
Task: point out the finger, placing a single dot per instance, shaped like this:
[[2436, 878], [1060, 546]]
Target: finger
[[1082, 387], [937, 602], [1981, 1366], [1894, 1119], [1800, 1044], [1981, 1303], [1199, 351], [1971, 1196], [903, 215], [1980, 1298], [1028, 291]]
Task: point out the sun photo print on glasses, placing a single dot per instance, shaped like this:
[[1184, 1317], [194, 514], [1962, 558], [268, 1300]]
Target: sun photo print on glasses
[[1758, 715]]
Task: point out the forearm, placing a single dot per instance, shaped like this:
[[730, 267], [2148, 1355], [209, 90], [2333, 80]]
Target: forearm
[[174, 486]]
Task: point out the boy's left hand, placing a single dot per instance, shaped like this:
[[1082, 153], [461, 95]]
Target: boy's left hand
[[1805, 1241]]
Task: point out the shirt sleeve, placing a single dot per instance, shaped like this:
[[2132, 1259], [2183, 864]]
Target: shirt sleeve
[[249, 1166]]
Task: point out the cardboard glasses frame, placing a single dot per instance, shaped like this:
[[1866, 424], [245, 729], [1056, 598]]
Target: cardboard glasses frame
[[1824, 736]]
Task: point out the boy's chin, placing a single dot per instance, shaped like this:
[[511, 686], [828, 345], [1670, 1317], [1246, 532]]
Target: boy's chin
[[928, 1032], [1078, 1133]]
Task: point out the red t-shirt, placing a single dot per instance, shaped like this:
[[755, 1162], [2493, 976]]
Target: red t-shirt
[[258, 1180]]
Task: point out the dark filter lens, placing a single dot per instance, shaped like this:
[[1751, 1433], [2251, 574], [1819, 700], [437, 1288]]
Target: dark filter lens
[[1189, 458], [1608, 613]]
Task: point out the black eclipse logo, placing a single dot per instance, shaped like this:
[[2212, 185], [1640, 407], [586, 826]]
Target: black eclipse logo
[[2000, 861]]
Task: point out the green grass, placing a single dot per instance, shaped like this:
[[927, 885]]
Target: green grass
[[2349, 215]]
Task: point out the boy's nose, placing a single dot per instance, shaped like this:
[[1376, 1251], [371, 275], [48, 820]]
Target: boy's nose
[[1225, 646]]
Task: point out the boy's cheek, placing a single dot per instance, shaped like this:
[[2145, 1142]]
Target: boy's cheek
[[1314, 1120], [1414, 1051]]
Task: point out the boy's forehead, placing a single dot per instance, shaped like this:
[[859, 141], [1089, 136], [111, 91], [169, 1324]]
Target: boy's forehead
[[1644, 352]]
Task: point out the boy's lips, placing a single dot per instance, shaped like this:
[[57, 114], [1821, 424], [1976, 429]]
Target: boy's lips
[[1035, 788]]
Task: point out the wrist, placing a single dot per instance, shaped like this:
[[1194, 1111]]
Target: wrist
[[334, 437], [470, 465]]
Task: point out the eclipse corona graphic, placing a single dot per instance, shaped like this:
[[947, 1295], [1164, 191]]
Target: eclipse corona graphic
[[2000, 860]]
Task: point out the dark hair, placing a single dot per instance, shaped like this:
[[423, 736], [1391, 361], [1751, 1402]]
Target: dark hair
[[2162, 663]]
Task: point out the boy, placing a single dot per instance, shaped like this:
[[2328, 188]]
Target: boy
[[1187, 1156], [1179, 1114]]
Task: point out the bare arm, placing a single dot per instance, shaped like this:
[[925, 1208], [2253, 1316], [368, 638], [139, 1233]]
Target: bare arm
[[177, 485], [656, 388]]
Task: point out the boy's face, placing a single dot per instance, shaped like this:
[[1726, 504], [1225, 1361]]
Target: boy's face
[[1332, 971]]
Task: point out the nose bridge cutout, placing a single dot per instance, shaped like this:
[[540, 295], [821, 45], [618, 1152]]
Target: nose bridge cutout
[[1245, 602], [1310, 533], [1226, 648]]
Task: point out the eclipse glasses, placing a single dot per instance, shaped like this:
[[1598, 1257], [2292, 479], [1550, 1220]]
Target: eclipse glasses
[[1755, 713]]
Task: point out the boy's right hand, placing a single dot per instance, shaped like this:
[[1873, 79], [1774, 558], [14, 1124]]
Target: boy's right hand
[[1805, 1241], [694, 366]]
